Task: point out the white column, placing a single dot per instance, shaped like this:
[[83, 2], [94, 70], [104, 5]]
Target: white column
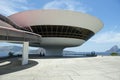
[[54, 51], [25, 53]]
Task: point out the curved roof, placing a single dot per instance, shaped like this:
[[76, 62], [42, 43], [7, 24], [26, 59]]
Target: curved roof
[[57, 17]]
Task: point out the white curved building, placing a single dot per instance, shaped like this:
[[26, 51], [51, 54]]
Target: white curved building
[[59, 28]]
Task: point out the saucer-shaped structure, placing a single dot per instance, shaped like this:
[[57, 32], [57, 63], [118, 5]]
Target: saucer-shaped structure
[[59, 28]]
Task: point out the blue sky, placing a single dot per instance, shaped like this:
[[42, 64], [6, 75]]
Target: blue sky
[[106, 10]]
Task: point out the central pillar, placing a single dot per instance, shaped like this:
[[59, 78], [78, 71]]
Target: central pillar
[[54, 51], [25, 53]]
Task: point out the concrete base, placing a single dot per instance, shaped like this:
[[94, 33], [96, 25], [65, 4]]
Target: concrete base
[[87, 68], [54, 51]]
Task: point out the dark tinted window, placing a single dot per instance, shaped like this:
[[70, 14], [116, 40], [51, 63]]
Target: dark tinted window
[[62, 31]]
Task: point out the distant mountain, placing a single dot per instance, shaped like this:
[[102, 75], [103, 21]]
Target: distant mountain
[[4, 50], [10, 48], [114, 49]]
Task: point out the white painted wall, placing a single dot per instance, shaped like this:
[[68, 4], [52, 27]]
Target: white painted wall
[[57, 17], [61, 42]]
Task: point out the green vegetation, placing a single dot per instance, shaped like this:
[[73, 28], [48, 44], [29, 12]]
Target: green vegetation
[[92, 54], [114, 54], [11, 54]]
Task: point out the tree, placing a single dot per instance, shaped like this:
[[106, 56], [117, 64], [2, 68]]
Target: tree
[[10, 54], [114, 54], [93, 53]]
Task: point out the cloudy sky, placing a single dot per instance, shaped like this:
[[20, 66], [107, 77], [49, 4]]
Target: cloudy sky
[[106, 10]]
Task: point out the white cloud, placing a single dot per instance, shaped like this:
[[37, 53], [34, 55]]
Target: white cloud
[[107, 37], [73, 5], [8, 7]]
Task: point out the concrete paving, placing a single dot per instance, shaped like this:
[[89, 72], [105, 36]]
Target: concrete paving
[[76, 68]]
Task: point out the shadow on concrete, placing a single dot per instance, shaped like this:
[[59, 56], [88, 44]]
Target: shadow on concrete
[[56, 57], [15, 65]]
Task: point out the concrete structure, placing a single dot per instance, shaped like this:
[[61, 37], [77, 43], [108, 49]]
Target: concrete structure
[[10, 32], [59, 28], [25, 53], [85, 68]]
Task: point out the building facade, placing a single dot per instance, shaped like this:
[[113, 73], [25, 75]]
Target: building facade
[[59, 28]]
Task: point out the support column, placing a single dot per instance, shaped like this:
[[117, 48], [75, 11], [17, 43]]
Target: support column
[[54, 51], [25, 53]]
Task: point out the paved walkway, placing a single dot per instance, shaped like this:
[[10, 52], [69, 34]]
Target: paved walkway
[[91, 68]]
